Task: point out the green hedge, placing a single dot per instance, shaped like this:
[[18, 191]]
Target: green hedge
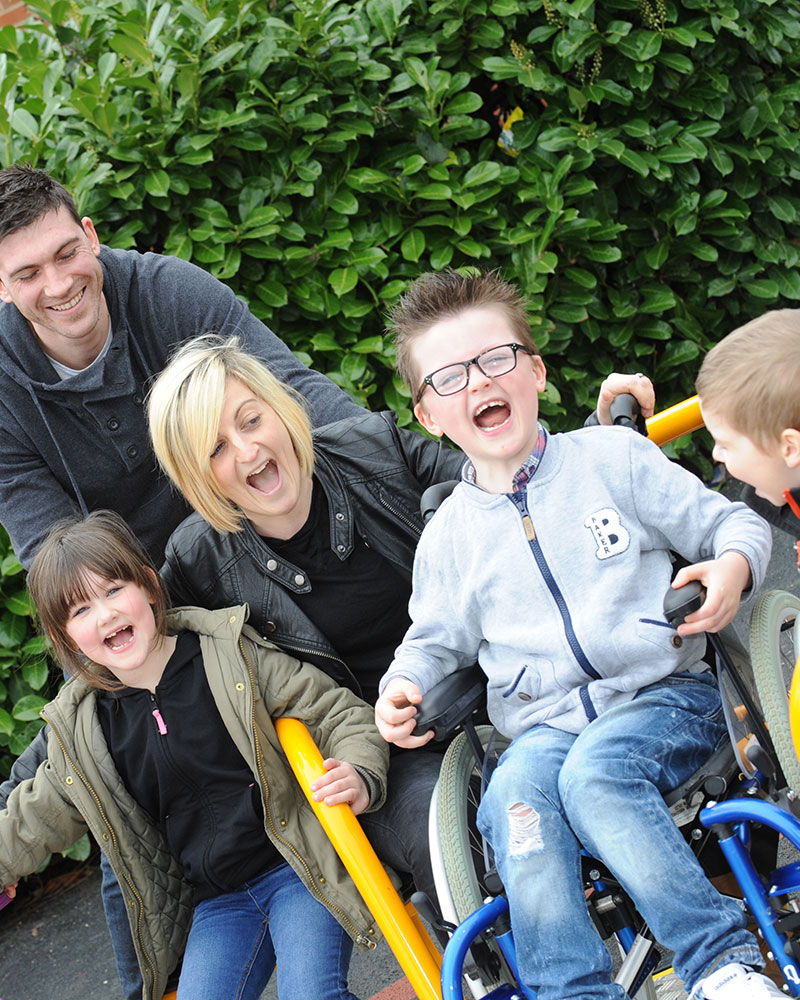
[[318, 155]]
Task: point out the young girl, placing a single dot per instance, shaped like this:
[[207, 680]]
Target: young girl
[[163, 746]]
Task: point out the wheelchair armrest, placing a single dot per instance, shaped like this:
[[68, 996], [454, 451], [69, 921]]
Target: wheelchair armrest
[[683, 601], [450, 702]]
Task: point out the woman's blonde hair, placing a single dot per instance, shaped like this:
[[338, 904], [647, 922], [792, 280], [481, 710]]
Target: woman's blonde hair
[[76, 547], [184, 409]]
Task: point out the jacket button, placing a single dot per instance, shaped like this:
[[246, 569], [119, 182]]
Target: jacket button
[[137, 398], [271, 626], [321, 880], [239, 686], [677, 641], [68, 779], [523, 696], [299, 580], [232, 619], [283, 822], [339, 516], [272, 565], [106, 837], [132, 451], [112, 424], [340, 548]]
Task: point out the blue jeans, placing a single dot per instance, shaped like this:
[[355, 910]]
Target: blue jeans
[[398, 831], [236, 938], [553, 792], [130, 975]]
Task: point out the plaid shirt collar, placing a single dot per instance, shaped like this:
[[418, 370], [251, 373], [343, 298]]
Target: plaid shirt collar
[[525, 472]]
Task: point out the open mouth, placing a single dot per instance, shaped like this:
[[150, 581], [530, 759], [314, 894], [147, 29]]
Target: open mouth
[[120, 639], [492, 414], [71, 304], [265, 479]]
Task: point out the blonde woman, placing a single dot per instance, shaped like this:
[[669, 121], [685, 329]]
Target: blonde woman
[[315, 531]]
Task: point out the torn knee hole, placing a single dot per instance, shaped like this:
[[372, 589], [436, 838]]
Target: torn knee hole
[[524, 834]]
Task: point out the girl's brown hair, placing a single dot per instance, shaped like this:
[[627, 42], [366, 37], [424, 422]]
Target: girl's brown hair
[[100, 543]]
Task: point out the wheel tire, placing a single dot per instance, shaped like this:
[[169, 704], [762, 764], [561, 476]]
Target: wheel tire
[[774, 647], [459, 768]]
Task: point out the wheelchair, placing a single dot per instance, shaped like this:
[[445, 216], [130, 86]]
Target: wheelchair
[[470, 894]]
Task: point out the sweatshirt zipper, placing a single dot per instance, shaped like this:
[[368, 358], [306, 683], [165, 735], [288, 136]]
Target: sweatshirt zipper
[[311, 885], [114, 842], [519, 499]]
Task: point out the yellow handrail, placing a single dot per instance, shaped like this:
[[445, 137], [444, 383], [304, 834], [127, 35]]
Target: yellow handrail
[[406, 938], [680, 419], [794, 708]]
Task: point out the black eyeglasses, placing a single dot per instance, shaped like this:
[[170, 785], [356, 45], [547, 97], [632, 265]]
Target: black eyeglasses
[[453, 378]]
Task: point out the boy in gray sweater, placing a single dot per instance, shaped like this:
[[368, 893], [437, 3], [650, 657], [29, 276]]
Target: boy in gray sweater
[[548, 565]]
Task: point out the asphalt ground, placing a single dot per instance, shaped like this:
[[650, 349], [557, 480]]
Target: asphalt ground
[[57, 946]]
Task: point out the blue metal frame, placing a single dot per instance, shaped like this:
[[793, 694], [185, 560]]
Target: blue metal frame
[[730, 821]]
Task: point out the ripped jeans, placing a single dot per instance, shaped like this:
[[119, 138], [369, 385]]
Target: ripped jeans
[[554, 792]]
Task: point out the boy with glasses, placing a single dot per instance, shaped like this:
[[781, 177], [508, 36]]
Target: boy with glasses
[[548, 564]]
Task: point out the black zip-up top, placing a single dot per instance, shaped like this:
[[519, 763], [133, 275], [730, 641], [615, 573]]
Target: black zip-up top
[[191, 779]]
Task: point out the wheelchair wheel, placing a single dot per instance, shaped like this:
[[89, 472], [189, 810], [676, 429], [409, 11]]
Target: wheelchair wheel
[[461, 846], [774, 649]]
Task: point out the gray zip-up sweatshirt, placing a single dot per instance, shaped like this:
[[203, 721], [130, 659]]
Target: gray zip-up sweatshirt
[[557, 591], [82, 444]]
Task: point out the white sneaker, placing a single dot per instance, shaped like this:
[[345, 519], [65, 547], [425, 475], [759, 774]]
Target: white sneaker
[[736, 982]]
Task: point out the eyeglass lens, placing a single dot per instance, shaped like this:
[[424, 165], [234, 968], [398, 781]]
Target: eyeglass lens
[[453, 378]]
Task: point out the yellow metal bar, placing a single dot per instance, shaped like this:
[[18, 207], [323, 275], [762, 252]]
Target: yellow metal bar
[[683, 418], [794, 708], [403, 936]]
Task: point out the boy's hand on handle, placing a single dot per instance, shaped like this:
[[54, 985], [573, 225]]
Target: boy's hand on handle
[[396, 713], [616, 384], [342, 783], [724, 579]]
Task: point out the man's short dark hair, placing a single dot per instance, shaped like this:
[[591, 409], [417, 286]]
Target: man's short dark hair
[[26, 194]]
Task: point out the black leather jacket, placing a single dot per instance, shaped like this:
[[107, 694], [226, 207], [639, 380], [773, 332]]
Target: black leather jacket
[[373, 474]]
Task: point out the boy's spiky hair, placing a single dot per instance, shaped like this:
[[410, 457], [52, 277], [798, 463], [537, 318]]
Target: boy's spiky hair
[[440, 295], [751, 378]]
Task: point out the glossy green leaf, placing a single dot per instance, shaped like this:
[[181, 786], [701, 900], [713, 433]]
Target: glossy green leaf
[[413, 245], [343, 280]]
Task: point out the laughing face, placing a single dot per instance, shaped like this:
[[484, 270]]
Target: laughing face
[[494, 420], [256, 466], [114, 626], [49, 270]]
